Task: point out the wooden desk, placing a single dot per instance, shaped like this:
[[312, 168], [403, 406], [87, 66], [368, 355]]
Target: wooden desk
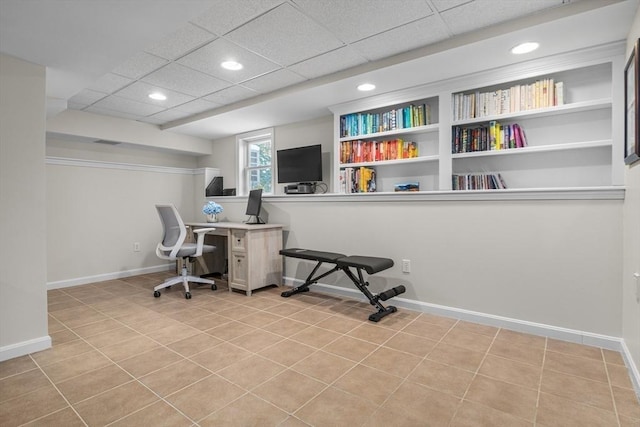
[[253, 251]]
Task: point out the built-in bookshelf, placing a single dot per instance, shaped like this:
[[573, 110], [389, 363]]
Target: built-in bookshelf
[[388, 144], [550, 123]]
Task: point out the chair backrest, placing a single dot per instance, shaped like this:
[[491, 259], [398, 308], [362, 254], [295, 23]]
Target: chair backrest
[[175, 232]]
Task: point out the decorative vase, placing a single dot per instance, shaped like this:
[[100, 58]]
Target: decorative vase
[[212, 217]]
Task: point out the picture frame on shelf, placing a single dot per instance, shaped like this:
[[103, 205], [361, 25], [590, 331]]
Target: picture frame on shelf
[[631, 99]]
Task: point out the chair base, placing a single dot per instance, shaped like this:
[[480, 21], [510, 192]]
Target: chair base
[[184, 278]]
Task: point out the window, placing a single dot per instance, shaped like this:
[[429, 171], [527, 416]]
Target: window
[[255, 165]]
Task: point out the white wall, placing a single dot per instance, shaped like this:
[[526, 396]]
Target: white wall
[[89, 125], [100, 206], [310, 132], [552, 262], [631, 259], [23, 210]]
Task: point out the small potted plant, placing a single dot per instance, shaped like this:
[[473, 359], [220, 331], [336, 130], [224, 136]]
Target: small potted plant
[[211, 210]]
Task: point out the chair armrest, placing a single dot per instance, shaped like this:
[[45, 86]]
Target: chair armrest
[[200, 232], [203, 230]]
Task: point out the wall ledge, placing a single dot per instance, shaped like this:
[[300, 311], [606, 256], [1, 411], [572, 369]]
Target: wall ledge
[[65, 161], [577, 193]]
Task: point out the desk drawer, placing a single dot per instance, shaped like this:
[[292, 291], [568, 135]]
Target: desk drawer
[[239, 269], [238, 240]]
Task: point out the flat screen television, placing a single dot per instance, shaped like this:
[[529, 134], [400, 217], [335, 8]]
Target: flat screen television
[[300, 164], [254, 204]]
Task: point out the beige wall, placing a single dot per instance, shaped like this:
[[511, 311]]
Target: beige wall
[[631, 259], [550, 262], [23, 211]]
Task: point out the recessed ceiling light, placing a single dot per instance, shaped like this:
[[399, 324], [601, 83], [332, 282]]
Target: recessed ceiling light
[[524, 48], [231, 65], [158, 96], [366, 87]]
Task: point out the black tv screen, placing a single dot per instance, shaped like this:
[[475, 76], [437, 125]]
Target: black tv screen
[[301, 164]]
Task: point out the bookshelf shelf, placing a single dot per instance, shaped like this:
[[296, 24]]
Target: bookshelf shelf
[[538, 149], [420, 159], [395, 132], [575, 143], [576, 107]]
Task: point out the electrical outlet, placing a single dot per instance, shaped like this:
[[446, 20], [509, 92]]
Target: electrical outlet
[[406, 266], [136, 247]]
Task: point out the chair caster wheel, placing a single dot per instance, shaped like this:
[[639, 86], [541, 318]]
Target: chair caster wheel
[[214, 287], [156, 294], [187, 295]]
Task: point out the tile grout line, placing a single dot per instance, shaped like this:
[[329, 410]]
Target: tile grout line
[[544, 360], [613, 398], [475, 375], [60, 393], [315, 305], [133, 378]]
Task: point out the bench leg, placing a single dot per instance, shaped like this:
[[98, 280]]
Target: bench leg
[[373, 300], [310, 280]]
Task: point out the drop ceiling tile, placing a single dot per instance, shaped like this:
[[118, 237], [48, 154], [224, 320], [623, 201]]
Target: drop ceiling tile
[[139, 91], [354, 20], [110, 83], [226, 15], [230, 95], [165, 117], [273, 81], [407, 37], [327, 63], [185, 80], [208, 59], [285, 36], [483, 13], [197, 106], [86, 97], [75, 106], [442, 5], [141, 64], [126, 106], [181, 42], [114, 113]]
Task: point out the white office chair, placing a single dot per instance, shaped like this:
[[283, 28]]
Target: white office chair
[[173, 246]]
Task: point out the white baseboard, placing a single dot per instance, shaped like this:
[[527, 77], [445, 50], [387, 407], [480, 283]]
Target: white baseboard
[[108, 276], [550, 331], [632, 367], [25, 347]]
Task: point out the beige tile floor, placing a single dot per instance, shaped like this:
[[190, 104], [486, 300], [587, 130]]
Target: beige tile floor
[[123, 358]]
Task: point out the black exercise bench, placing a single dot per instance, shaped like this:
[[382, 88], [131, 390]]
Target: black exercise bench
[[342, 262]]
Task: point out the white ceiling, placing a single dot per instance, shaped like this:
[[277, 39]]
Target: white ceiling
[[299, 56]]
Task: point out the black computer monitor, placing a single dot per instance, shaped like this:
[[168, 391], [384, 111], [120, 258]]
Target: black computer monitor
[[254, 204]]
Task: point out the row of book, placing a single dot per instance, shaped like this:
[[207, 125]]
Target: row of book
[[357, 180], [478, 181], [374, 151], [540, 94], [492, 136], [399, 118]]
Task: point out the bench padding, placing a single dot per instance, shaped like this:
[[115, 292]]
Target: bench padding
[[370, 264], [342, 262], [331, 257]]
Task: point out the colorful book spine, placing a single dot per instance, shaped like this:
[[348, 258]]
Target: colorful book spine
[[543, 93], [477, 181], [493, 136]]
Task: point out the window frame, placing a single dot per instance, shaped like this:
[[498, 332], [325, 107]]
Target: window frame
[[243, 170]]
